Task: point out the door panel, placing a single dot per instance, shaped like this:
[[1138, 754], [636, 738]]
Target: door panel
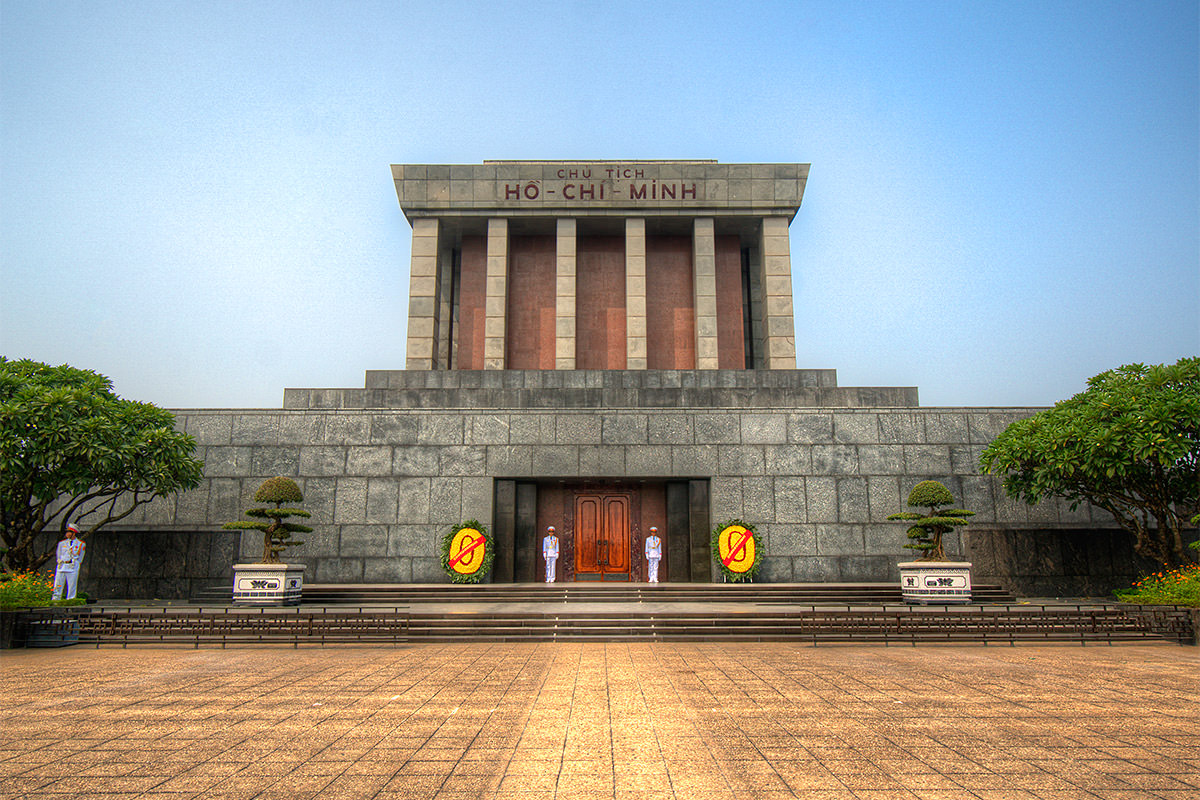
[[602, 536], [587, 534], [616, 534]]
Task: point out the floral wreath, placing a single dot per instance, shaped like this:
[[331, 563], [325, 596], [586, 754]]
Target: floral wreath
[[735, 549], [468, 564]]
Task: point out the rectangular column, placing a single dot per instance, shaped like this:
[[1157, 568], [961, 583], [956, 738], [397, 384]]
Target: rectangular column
[[635, 293], [704, 282], [779, 325], [422, 295], [444, 326], [496, 304], [564, 303]]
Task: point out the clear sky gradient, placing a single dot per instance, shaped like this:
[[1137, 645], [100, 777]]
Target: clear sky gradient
[[195, 198]]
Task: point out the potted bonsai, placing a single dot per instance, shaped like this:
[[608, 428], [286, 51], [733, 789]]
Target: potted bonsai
[[271, 582], [933, 578]]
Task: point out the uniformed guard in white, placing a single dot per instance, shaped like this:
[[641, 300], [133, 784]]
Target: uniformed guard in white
[[550, 553], [66, 570], [653, 554]]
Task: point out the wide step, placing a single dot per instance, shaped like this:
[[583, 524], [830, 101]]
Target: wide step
[[1108, 624]]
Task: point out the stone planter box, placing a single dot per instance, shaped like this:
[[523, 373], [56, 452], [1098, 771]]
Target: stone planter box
[[937, 582], [267, 584]]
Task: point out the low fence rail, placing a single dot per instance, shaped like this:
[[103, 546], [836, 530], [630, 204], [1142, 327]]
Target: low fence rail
[[391, 625]]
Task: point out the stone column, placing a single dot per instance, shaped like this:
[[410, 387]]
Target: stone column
[[444, 326], [422, 295], [564, 303], [495, 309], [704, 283], [780, 327], [635, 293]]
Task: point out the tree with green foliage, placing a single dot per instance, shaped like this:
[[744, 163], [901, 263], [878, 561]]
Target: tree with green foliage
[[927, 529], [1129, 444], [72, 451], [277, 533]]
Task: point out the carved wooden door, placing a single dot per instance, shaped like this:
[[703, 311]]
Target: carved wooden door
[[602, 537]]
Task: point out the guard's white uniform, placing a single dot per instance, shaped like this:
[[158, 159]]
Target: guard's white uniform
[[550, 553], [654, 555], [69, 558]]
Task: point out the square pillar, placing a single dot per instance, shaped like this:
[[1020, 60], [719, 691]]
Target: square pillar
[[496, 302], [564, 296], [779, 327], [635, 293], [704, 281], [443, 326], [421, 348]]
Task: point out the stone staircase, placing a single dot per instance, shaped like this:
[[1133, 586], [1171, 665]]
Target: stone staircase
[[804, 614]]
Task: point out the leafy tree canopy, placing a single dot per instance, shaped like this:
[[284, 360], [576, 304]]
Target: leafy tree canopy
[[1129, 444], [72, 451]]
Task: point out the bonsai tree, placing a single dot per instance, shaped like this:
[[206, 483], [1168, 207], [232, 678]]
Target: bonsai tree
[[925, 533], [277, 534]]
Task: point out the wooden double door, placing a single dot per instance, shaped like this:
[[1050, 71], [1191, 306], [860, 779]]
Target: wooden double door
[[602, 536]]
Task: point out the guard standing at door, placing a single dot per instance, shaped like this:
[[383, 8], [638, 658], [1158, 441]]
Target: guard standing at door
[[550, 553], [653, 554]]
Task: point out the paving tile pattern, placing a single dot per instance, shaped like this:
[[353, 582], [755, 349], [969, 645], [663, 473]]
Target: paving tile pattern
[[653, 721]]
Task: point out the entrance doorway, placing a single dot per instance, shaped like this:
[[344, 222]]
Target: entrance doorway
[[602, 537], [602, 524]]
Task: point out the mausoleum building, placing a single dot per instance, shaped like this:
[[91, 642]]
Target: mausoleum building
[[601, 346]]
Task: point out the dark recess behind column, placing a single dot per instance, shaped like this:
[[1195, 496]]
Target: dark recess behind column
[[528, 554], [504, 526], [679, 535]]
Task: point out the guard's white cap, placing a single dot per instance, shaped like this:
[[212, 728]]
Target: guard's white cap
[[73, 527], [653, 529], [550, 529]]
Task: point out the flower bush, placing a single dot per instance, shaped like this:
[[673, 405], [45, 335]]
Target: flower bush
[[25, 589], [29, 590], [1179, 587]]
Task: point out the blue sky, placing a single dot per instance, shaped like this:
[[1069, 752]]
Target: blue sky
[[195, 198]]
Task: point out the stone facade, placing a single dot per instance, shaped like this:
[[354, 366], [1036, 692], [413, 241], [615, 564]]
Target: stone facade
[[384, 484]]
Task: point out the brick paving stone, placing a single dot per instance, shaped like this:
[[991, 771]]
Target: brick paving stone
[[610, 721]]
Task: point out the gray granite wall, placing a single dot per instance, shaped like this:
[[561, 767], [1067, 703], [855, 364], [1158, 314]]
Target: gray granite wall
[[1080, 562], [384, 485], [595, 389]]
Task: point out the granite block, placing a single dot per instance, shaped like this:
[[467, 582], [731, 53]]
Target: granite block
[[791, 500], [273, 461], [369, 461], [821, 499]]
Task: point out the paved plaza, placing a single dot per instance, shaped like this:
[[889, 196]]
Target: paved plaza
[[655, 721]]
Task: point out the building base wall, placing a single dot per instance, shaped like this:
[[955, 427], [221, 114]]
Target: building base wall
[[385, 483]]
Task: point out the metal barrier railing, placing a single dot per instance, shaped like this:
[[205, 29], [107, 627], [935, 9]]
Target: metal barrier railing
[[918, 625]]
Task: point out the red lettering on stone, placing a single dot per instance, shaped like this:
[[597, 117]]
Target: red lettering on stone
[[587, 192], [668, 187], [566, 191], [512, 192], [532, 191], [686, 190], [636, 192]]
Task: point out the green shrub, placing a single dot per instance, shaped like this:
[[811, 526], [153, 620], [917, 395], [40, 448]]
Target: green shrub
[[31, 590], [1176, 587]]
